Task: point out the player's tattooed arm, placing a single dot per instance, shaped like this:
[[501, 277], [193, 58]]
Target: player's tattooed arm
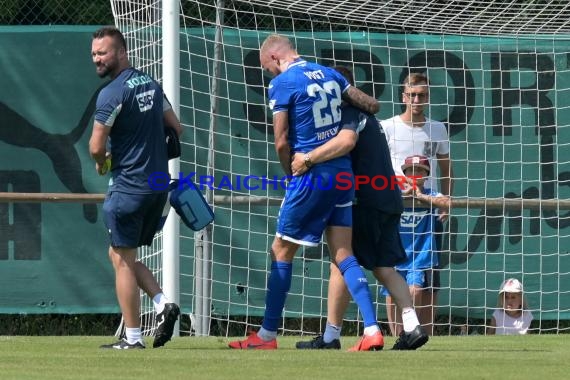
[[441, 202], [361, 100]]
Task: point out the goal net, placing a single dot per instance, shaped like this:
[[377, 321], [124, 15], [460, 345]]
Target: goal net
[[500, 81]]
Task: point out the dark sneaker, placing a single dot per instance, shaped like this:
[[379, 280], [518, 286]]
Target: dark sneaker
[[124, 345], [318, 343], [411, 340], [165, 322]]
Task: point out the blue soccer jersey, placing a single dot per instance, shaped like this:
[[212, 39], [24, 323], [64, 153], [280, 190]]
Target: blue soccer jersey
[[418, 233], [132, 105], [311, 94]]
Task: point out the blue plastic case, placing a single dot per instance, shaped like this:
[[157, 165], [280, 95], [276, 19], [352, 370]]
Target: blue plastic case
[[190, 204]]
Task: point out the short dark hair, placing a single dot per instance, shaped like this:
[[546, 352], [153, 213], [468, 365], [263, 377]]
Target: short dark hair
[[346, 72], [114, 33]]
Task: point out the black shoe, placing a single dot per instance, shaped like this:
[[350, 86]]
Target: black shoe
[[165, 322], [124, 345], [318, 343], [411, 340]]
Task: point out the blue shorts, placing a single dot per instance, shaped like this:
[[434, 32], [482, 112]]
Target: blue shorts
[[426, 278], [133, 219], [313, 202], [376, 238]]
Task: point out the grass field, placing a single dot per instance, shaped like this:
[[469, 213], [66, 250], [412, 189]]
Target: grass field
[[451, 357]]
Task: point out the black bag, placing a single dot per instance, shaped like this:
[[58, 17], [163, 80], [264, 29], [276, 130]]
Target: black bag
[[172, 143]]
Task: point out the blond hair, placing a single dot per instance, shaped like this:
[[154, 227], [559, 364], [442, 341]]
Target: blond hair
[[276, 42], [501, 301]]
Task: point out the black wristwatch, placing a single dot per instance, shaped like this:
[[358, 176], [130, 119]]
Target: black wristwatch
[[308, 162]]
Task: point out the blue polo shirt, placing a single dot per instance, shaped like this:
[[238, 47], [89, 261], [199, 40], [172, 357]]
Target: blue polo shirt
[[133, 105]]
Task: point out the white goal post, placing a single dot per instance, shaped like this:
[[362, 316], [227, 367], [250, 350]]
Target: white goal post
[[500, 81]]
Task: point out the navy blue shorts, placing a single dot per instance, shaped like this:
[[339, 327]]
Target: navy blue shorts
[[133, 219], [376, 238]]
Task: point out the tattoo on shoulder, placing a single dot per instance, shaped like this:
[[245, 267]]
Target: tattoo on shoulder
[[361, 100]]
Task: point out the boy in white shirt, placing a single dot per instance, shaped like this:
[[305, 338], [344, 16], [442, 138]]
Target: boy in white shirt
[[412, 133]]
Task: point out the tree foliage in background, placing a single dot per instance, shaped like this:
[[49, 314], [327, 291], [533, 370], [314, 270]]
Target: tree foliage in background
[[55, 12], [98, 12], [245, 15]]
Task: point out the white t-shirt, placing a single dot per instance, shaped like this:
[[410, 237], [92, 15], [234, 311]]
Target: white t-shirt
[[507, 325], [405, 140]]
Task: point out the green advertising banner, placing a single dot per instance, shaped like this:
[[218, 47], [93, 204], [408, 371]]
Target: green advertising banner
[[505, 102], [53, 256]]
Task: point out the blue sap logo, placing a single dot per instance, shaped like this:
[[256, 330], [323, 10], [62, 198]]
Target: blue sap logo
[[411, 220]]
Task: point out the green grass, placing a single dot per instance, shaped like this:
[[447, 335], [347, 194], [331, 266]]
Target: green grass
[[451, 357]]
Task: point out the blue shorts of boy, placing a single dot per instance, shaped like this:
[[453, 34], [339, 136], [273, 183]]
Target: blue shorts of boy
[[376, 238], [425, 278], [133, 219], [313, 202]]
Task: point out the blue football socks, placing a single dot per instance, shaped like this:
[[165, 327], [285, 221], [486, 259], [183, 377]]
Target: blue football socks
[[277, 288], [357, 285]]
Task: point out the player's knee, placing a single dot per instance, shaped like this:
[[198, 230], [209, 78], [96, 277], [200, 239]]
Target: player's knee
[[283, 250]]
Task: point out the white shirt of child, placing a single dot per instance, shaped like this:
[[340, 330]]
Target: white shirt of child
[[404, 141], [507, 325]]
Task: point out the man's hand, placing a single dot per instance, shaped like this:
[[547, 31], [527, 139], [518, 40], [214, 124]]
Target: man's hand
[[104, 168], [298, 166], [443, 216], [408, 190]]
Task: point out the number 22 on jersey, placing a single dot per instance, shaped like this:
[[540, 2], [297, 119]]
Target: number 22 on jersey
[[326, 110]]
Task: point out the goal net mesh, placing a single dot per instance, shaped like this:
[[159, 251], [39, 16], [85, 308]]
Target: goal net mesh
[[500, 82]]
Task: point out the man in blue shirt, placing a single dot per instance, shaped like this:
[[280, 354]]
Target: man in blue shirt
[[305, 99], [130, 117], [376, 216]]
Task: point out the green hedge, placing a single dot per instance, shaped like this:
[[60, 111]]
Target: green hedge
[[59, 324]]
